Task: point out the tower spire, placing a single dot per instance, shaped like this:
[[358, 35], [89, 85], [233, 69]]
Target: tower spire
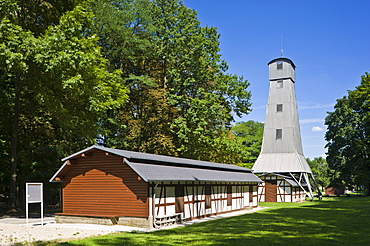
[[281, 46]]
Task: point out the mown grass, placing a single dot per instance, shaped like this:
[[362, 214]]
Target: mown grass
[[332, 221]]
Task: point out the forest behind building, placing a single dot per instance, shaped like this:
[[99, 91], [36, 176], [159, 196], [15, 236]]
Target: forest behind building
[[138, 75]]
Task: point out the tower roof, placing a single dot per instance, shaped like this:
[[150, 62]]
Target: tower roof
[[283, 59]]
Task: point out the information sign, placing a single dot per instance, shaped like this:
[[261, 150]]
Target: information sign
[[34, 195]]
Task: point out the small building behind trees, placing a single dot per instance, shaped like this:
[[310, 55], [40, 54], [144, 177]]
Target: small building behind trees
[[111, 186], [334, 191]]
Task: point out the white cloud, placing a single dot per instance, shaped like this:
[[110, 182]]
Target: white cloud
[[317, 129]]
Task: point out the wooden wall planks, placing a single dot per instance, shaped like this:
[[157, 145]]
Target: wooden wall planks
[[100, 184]]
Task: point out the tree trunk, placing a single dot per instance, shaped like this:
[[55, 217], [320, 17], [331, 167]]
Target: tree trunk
[[14, 153]]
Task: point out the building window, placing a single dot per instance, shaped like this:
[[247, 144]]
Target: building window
[[229, 195], [280, 65], [279, 133], [208, 196], [179, 198], [250, 194], [279, 84], [279, 108]]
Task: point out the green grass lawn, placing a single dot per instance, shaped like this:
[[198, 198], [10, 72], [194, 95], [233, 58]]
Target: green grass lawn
[[332, 221]]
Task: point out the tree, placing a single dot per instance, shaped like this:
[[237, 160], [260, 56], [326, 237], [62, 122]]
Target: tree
[[126, 37], [250, 135], [55, 80], [320, 171], [164, 53], [348, 136], [193, 73]]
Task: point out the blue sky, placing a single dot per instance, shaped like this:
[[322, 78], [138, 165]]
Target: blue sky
[[329, 42]]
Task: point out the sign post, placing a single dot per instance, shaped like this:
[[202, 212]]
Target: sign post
[[34, 195]]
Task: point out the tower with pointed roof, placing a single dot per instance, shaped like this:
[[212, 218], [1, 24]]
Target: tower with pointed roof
[[282, 151]]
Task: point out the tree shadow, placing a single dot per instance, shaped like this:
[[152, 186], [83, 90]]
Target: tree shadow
[[322, 223]]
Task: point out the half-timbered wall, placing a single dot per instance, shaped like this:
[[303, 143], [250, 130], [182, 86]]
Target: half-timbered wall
[[98, 184], [200, 199], [277, 189]]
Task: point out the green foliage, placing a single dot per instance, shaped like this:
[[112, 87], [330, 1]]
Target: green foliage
[[141, 75], [55, 85], [320, 170], [166, 56], [250, 135], [348, 136], [332, 221]]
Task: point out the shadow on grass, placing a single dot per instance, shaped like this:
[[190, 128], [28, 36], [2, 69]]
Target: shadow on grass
[[345, 221]]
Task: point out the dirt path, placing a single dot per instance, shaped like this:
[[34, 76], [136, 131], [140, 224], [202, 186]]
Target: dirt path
[[12, 231], [15, 230]]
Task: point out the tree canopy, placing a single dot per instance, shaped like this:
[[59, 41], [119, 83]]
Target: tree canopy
[[181, 99], [320, 170], [250, 135], [54, 83], [348, 136], [140, 75]]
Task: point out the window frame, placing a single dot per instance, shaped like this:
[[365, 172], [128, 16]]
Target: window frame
[[229, 192], [179, 198], [280, 84], [279, 65], [208, 194], [279, 134], [279, 107]]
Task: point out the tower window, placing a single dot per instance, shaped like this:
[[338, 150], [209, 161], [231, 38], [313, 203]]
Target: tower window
[[279, 133], [279, 84], [279, 108], [280, 65]]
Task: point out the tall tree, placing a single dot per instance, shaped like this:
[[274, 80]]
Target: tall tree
[[126, 35], [57, 81], [348, 136], [166, 51], [192, 71]]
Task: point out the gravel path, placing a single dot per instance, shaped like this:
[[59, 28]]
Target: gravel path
[[15, 230], [12, 231]]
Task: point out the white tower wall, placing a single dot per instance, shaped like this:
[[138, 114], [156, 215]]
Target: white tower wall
[[281, 146], [288, 70]]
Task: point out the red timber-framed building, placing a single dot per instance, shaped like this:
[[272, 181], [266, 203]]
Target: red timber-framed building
[[111, 186]]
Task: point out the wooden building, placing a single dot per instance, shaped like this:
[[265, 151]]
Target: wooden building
[[279, 188], [111, 186], [334, 191]]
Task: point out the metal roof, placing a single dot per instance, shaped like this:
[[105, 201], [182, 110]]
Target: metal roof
[[132, 155], [283, 59], [286, 178], [281, 163], [150, 172], [152, 167]]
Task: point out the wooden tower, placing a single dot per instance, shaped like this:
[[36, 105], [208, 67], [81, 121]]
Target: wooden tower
[[282, 151]]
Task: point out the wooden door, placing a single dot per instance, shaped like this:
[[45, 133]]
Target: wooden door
[[271, 191]]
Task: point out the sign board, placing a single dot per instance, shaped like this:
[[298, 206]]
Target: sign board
[[34, 194]]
